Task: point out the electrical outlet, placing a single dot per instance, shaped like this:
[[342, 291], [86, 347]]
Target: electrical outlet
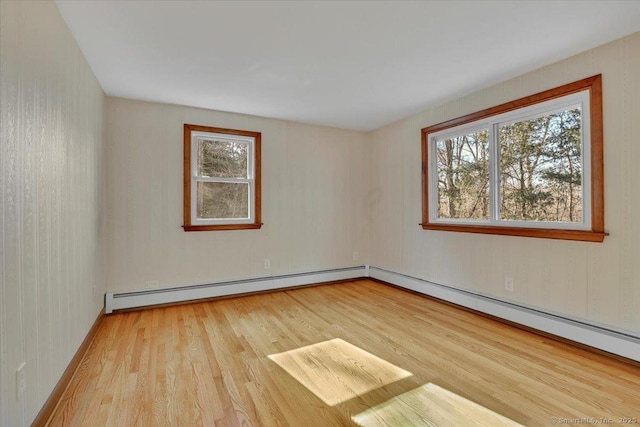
[[355, 256], [267, 263], [21, 380], [508, 284], [151, 284]]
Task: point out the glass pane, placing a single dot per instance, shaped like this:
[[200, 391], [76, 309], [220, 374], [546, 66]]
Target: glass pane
[[222, 159], [219, 200], [463, 176], [541, 168]]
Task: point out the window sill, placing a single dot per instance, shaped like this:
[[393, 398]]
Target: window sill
[[222, 227], [544, 233]]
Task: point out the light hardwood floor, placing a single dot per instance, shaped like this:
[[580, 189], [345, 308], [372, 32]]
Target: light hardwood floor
[[356, 353]]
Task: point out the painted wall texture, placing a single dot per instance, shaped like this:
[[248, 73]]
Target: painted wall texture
[[594, 282], [52, 205], [314, 182]]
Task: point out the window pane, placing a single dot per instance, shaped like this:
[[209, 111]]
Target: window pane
[[222, 159], [218, 200], [541, 168], [463, 176]]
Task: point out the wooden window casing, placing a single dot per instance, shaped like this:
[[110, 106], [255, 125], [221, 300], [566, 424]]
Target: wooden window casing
[[254, 222], [596, 232]]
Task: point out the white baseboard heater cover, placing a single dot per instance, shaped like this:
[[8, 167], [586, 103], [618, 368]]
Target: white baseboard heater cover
[[119, 301], [616, 342]]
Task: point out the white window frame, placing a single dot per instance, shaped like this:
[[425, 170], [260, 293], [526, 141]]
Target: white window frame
[[492, 124], [196, 136]]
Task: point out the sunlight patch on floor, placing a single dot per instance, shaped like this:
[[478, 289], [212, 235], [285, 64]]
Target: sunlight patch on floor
[[337, 371], [430, 405]]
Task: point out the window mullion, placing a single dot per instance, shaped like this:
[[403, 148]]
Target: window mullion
[[494, 182], [229, 180]]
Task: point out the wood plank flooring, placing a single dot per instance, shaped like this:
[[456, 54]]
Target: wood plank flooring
[[356, 353]]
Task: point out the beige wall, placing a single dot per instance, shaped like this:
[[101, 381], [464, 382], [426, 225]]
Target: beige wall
[[599, 283], [52, 210], [326, 190], [314, 182]]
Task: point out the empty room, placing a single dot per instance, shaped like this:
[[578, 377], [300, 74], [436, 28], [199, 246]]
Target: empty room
[[319, 213]]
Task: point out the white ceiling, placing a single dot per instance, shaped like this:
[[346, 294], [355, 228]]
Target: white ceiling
[[350, 64]]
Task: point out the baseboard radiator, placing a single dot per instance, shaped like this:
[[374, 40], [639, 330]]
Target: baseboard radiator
[[617, 342], [621, 343], [124, 300]]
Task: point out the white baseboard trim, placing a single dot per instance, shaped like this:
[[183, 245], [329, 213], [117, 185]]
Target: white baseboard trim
[[615, 342], [119, 301]]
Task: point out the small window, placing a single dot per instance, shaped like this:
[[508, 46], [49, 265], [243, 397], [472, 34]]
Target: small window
[[221, 179], [531, 167]]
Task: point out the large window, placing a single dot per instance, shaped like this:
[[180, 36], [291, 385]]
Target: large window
[[221, 179], [530, 167]]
